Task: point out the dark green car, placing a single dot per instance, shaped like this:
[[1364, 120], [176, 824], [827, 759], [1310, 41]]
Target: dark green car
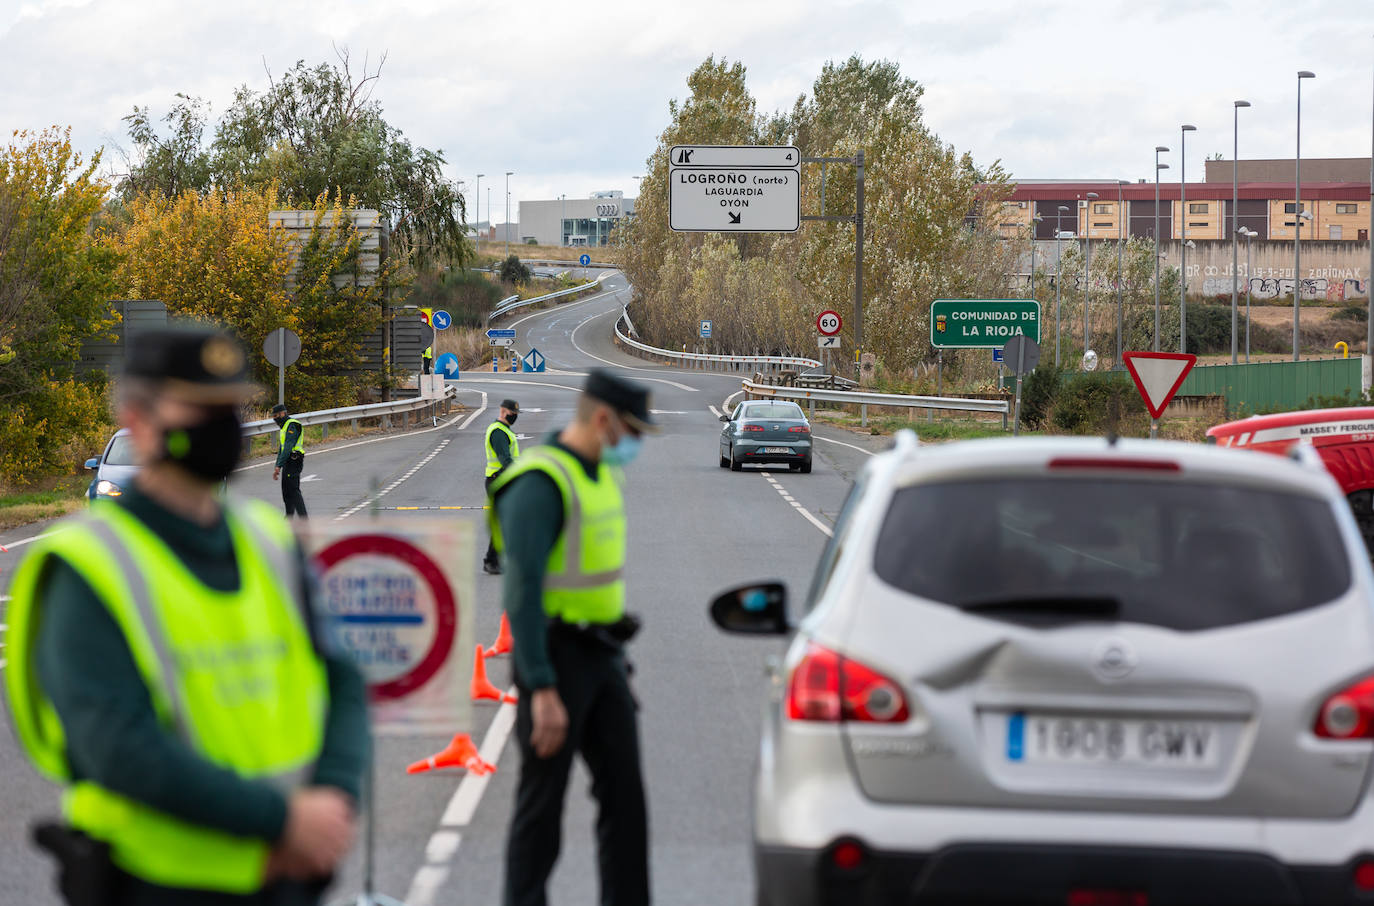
[[766, 431]]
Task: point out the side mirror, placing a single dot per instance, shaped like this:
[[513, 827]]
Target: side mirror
[[725, 418], [93, 463], [758, 609]]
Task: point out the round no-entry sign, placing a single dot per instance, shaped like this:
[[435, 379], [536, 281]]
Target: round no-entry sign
[[829, 323]]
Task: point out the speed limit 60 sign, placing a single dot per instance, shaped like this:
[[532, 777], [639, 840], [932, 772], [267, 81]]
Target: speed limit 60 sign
[[829, 323]]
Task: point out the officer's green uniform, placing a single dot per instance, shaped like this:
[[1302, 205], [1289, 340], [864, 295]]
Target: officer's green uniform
[[291, 461], [559, 521], [168, 676], [427, 359]]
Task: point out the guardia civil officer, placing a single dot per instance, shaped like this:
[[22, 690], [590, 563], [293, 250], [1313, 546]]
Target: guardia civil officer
[[290, 460], [427, 360], [560, 525], [164, 667], [502, 449]]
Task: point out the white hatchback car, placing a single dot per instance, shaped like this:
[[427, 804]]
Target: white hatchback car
[[1073, 672]]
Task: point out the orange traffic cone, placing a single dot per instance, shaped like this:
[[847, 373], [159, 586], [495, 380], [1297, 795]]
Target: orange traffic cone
[[460, 753], [502, 645], [481, 687]]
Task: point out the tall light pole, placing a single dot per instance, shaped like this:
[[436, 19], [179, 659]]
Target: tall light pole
[[1058, 274], [1087, 261], [1183, 212], [1036, 220], [1158, 167], [1235, 218], [479, 210], [1249, 234], [1120, 254], [508, 176], [1297, 215]]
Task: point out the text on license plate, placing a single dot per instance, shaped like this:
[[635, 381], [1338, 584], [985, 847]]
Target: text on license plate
[[1062, 739], [777, 449]]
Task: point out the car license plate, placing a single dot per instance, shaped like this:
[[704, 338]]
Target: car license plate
[[1134, 742], [777, 449]]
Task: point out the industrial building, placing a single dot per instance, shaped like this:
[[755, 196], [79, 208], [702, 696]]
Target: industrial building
[[574, 221]]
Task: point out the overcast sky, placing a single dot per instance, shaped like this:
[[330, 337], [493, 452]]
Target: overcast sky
[[572, 96]]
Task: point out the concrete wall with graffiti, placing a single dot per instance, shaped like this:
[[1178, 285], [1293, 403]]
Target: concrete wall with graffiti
[[1331, 271]]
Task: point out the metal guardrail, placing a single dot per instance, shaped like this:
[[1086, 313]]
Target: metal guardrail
[[698, 359], [864, 400], [508, 305], [353, 413]]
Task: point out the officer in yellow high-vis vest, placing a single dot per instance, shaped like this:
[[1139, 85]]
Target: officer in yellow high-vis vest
[[559, 523], [165, 667], [502, 448]]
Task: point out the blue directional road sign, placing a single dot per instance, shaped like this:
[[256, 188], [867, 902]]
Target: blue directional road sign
[[997, 356], [447, 365], [441, 320], [534, 361], [497, 333], [706, 330], [585, 260]]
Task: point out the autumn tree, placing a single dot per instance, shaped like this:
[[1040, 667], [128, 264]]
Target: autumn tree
[[55, 286]]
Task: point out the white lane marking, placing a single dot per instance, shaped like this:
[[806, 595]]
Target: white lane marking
[[716, 412], [474, 415], [376, 440], [571, 305], [465, 799], [397, 483], [825, 529], [572, 338], [311, 478], [842, 444], [444, 842], [726, 403], [23, 541], [527, 383]]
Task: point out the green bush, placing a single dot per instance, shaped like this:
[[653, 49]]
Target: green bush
[[513, 270], [53, 429], [1038, 392], [466, 295], [1093, 404], [1352, 313]]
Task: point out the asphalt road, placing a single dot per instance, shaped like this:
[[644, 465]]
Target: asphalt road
[[694, 529]]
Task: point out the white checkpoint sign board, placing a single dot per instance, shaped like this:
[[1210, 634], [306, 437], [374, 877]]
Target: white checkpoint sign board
[[734, 188], [1157, 376], [396, 596]]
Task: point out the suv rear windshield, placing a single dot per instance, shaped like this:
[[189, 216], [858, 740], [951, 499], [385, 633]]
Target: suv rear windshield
[[1187, 556], [773, 410]]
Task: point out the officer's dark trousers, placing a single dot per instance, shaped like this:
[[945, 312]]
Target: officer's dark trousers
[[291, 485], [602, 728]]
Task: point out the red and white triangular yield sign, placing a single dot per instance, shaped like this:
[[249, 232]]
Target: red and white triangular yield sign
[[1158, 375]]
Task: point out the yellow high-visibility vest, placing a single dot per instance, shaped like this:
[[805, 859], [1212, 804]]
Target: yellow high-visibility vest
[[493, 461], [233, 674], [299, 446], [585, 578]]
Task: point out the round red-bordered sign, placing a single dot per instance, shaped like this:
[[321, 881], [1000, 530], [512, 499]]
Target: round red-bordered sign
[[829, 323], [445, 605]]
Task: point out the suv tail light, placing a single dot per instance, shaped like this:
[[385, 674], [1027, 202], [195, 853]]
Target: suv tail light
[[1349, 714], [830, 688]]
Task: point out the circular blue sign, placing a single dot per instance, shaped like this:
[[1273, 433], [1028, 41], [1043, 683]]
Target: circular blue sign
[[441, 320], [585, 260], [447, 365]]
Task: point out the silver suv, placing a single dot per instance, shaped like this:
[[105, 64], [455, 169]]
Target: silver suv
[[1069, 671]]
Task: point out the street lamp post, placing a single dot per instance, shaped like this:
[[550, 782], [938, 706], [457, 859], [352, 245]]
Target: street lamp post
[[1235, 215], [478, 221], [1183, 261], [1249, 234], [1058, 232], [1297, 215], [1158, 167], [1087, 262], [508, 176], [1120, 250]]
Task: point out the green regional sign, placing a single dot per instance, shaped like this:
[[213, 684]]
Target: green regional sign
[[982, 323]]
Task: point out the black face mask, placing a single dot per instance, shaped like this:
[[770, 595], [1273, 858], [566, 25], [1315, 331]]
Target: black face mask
[[510, 419], [279, 419], [209, 449]]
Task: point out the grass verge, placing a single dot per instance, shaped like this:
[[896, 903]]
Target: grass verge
[[63, 496]]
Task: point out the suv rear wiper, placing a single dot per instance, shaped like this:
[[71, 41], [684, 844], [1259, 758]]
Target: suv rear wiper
[[1048, 605]]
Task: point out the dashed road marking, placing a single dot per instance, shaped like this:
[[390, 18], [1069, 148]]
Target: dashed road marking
[[825, 529], [397, 483]]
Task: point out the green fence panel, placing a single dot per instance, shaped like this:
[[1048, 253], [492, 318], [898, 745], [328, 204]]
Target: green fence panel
[[1268, 386]]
